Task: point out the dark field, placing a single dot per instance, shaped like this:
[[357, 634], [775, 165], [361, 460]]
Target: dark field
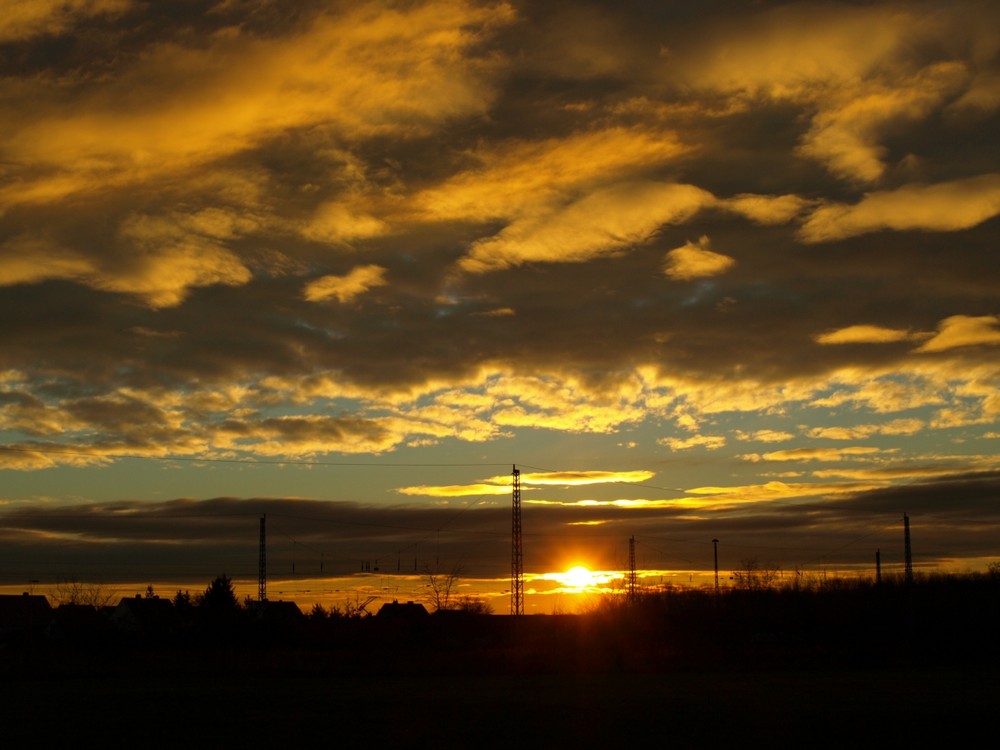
[[845, 665], [276, 707]]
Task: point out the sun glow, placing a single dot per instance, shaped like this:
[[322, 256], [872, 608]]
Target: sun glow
[[579, 578]]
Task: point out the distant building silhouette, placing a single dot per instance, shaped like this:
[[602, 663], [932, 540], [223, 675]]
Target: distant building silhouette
[[147, 615], [402, 612], [23, 615]]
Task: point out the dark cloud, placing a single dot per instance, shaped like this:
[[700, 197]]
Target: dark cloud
[[951, 517]]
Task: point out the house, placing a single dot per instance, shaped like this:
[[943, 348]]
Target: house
[[23, 615], [406, 611], [148, 615], [276, 611]]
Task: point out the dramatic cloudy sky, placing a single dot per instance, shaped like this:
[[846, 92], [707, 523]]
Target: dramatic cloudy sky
[[715, 269]]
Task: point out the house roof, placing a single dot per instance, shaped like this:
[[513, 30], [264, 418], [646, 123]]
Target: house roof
[[402, 610], [144, 612], [20, 610]]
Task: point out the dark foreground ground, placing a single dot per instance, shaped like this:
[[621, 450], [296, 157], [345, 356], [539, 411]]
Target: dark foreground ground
[[288, 699], [856, 667], [275, 705]]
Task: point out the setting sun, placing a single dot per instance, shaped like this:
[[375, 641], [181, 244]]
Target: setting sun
[[578, 577]]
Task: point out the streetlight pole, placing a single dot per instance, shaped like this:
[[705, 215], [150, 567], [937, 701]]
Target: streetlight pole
[[715, 546]]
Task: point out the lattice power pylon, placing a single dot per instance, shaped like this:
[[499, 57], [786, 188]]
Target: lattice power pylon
[[516, 555]]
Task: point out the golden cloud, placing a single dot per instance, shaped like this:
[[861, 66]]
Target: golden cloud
[[28, 259], [166, 260], [605, 222], [456, 490], [637, 504], [865, 334], [933, 466], [963, 330], [695, 261], [339, 222], [854, 69], [816, 454], [580, 478], [35, 457], [370, 69], [709, 442], [562, 401], [34, 417], [846, 135], [792, 48], [884, 395], [767, 209], [770, 491], [893, 427], [960, 417], [345, 288], [943, 207], [578, 417], [764, 436], [511, 179], [577, 478]]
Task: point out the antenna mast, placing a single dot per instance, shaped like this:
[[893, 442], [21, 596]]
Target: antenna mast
[[516, 557]]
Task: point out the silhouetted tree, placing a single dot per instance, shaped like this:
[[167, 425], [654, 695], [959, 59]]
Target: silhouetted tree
[[752, 575], [474, 606], [182, 600], [441, 587], [94, 595], [219, 597], [318, 613]]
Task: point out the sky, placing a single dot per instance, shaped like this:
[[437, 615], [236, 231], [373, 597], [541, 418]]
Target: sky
[[724, 270]]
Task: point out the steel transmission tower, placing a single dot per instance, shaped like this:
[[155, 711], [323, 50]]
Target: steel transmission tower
[[630, 577], [516, 555], [262, 564]]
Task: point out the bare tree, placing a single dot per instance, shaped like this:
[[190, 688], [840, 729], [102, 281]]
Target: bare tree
[[94, 595], [441, 587], [474, 605], [753, 575]]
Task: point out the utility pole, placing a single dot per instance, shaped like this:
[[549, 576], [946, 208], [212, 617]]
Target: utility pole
[[907, 552], [631, 591], [878, 567], [516, 555], [262, 563], [715, 550]]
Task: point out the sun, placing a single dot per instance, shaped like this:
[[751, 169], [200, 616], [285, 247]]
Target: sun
[[578, 577]]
